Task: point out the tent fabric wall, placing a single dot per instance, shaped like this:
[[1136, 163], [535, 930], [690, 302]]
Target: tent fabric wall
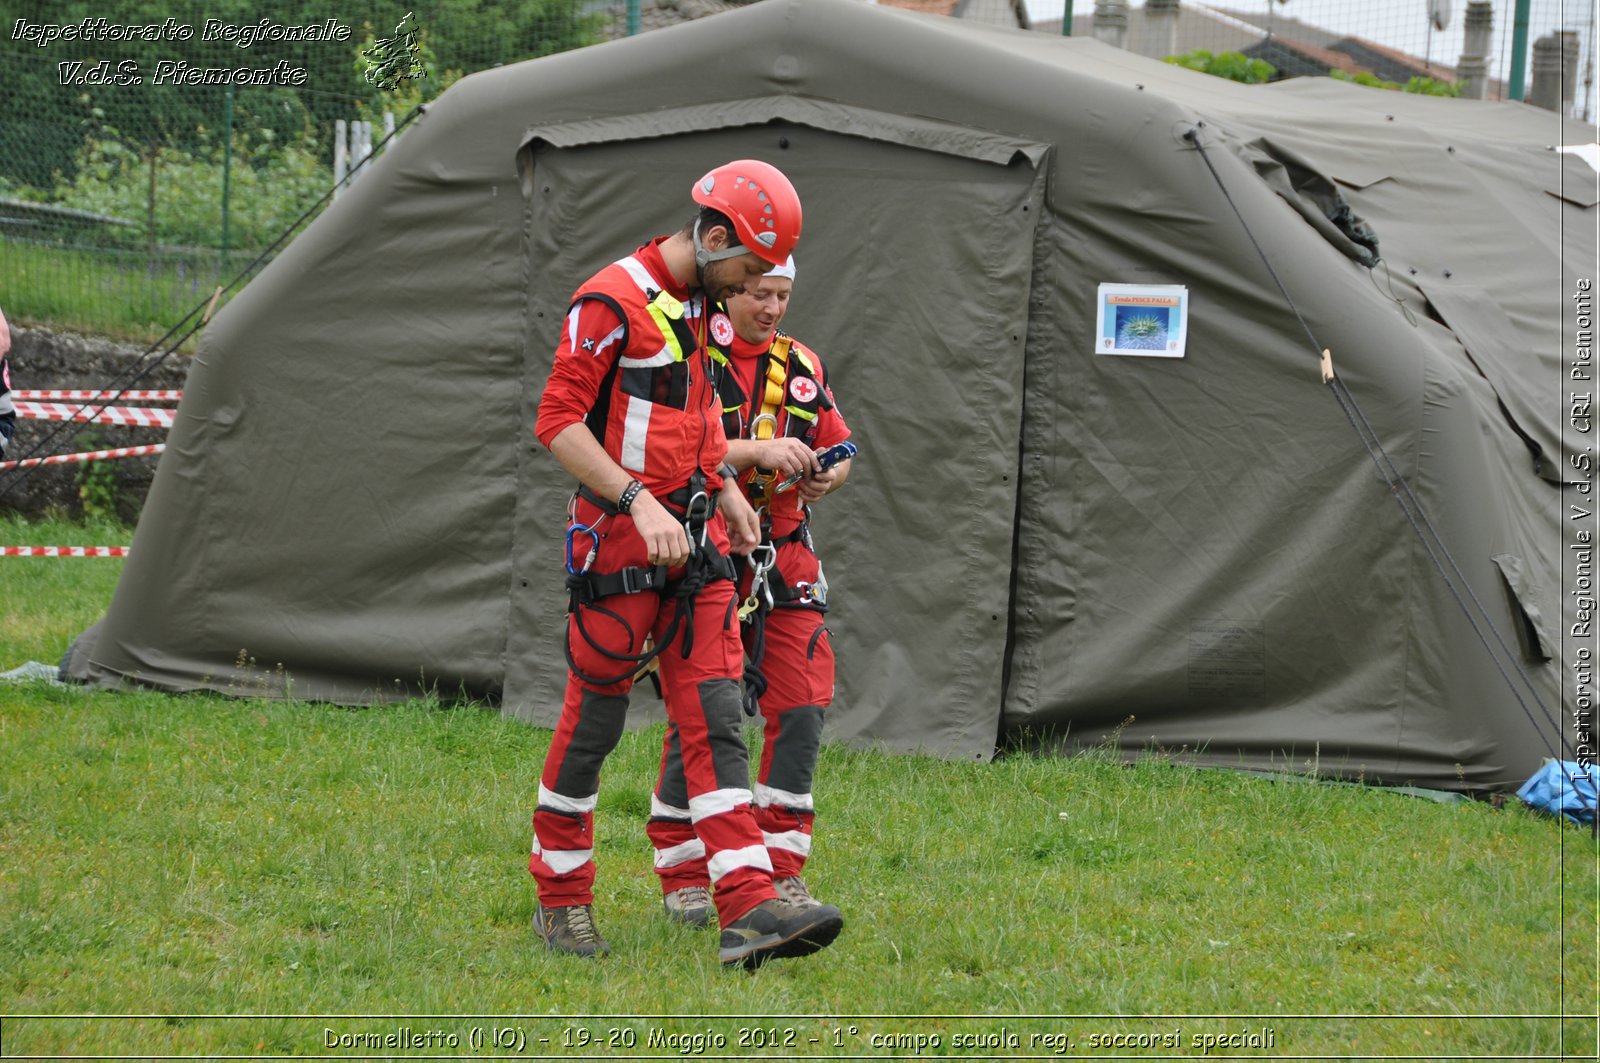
[[923, 608], [1037, 543]]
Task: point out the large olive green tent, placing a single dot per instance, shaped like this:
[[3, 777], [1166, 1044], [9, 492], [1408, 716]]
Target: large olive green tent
[[1041, 542]]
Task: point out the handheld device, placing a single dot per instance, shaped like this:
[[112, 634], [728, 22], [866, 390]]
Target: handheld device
[[826, 460]]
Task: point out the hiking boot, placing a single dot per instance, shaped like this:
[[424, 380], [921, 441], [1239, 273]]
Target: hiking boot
[[775, 929], [690, 906], [793, 889], [570, 929]]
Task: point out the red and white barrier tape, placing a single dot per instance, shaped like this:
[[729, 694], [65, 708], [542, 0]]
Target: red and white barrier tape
[[36, 395], [131, 416], [63, 551], [88, 455]]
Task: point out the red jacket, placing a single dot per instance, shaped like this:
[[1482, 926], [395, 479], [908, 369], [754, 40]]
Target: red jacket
[[632, 365]]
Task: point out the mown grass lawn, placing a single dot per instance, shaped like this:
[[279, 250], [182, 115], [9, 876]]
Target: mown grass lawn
[[251, 878]]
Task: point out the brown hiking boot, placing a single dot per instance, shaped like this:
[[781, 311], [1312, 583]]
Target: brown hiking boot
[[570, 929], [793, 889], [775, 929], [690, 906]]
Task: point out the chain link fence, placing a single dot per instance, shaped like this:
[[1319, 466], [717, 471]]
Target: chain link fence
[[1445, 47], [145, 161]]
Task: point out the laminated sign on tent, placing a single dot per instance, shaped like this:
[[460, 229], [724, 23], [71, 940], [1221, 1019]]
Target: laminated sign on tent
[[1075, 303]]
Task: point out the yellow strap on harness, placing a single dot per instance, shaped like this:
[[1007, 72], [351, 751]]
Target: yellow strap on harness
[[765, 424], [666, 310]]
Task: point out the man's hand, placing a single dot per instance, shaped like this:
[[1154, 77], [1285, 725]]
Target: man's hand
[[744, 528], [785, 455], [665, 540], [815, 486], [576, 448]]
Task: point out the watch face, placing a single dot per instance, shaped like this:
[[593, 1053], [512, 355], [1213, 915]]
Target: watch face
[[721, 329]]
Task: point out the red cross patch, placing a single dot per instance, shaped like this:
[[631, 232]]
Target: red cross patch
[[803, 388], [721, 329]]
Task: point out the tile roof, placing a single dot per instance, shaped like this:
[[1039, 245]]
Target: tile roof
[[659, 14], [930, 7]]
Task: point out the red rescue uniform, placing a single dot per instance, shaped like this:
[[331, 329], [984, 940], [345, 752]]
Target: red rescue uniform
[[632, 365], [792, 661]]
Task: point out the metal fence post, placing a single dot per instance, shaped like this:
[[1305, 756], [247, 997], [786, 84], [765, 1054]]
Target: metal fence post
[[1519, 49], [227, 169]]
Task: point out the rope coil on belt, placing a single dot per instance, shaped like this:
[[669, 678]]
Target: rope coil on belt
[[765, 595], [587, 590]]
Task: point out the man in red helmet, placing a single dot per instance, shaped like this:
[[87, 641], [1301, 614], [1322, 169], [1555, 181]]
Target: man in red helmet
[[631, 412], [778, 412]]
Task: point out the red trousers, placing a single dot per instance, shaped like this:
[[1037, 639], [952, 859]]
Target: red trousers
[[796, 661], [702, 699]]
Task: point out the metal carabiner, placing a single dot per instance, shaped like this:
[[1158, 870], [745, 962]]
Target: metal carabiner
[[592, 531], [760, 590], [699, 505]]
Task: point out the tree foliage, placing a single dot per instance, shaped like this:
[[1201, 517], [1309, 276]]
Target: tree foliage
[[46, 121], [271, 184], [1235, 66], [1419, 85]]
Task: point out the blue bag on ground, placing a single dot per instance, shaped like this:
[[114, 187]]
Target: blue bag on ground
[[1566, 787]]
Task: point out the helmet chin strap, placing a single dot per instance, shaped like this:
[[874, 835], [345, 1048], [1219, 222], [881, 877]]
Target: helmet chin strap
[[703, 257]]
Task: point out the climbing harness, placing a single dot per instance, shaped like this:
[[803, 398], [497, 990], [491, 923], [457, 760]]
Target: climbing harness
[[588, 590]]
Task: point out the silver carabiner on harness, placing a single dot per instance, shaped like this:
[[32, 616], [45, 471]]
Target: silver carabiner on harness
[[815, 592], [760, 589], [699, 505]]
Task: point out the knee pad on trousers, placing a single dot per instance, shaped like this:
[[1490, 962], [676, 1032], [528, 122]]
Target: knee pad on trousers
[[672, 789], [794, 750], [720, 704], [599, 729]]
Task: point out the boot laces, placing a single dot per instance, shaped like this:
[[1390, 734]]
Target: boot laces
[[693, 897], [580, 924], [794, 890]]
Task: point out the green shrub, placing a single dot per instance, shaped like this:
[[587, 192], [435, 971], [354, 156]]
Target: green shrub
[[1420, 86], [1235, 66], [176, 195]]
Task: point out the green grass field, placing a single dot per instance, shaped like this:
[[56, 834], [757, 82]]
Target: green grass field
[[125, 295], [211, 877]]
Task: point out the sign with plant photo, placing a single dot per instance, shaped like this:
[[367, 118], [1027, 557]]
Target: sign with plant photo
[[1144, 320]]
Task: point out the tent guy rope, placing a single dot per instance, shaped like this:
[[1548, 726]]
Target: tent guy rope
[[1427, 534]]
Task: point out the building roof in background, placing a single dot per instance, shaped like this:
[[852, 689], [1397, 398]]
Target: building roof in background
[[1296, 48], [1391, 64], [1294, 58], [997, 12], [927, 7], [1198, 27], [1275, 23], [659, 14]]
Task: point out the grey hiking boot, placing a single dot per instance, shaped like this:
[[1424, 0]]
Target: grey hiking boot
[[775, 929], [793, 889], [570, 929], [690, 906]]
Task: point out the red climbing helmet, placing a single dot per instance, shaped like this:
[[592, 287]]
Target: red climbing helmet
[[761, 203]]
